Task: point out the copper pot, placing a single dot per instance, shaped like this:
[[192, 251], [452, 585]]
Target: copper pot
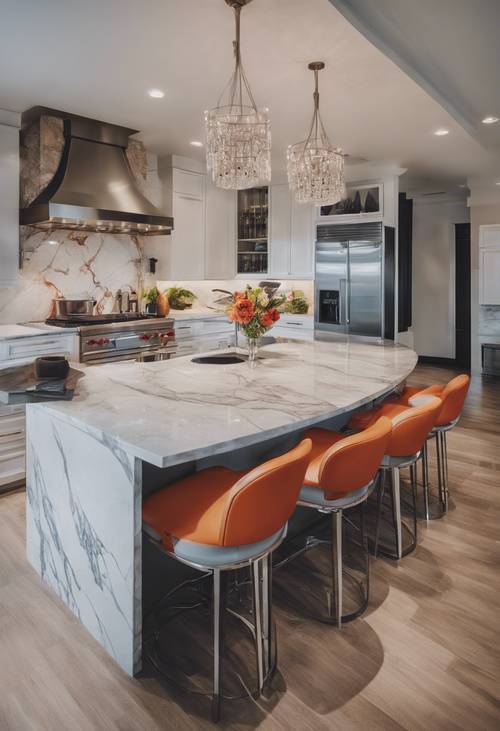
[[162, 305]]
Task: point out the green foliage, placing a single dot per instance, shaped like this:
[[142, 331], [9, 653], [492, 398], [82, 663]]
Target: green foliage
[[179, 296], [150, 295]]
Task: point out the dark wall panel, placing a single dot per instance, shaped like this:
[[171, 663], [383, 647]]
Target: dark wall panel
[[405, 238]]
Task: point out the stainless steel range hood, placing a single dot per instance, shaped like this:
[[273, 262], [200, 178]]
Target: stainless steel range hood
[[93, 188]]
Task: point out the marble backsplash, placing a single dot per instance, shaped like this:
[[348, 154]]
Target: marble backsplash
[[489, 320], [72, 264]]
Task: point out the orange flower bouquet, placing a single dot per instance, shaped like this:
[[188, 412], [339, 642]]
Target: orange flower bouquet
[[255, 310]]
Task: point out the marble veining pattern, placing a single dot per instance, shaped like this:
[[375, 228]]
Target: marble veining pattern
[[79, 489], [76, 264], [171, 411]]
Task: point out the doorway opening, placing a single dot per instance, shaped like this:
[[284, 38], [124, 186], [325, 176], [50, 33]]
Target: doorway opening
[[462, 296]]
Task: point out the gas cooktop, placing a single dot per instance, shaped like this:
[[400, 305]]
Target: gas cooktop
[[72, 320]]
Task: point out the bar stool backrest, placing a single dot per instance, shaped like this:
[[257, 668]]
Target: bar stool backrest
[[411, 428], [453, 397], [261, 502], [352, 463]]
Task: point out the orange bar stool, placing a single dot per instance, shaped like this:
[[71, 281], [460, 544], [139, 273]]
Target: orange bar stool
[[411, 426], [342, 473], [218, 520], [453, 396]]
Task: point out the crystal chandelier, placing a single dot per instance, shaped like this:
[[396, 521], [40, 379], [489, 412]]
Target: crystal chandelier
[[238, 134], [315, 167]]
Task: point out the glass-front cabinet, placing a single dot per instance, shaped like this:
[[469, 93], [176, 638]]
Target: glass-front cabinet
[[253, 217]]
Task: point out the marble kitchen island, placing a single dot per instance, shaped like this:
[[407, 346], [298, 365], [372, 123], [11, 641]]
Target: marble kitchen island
[[133, 427]]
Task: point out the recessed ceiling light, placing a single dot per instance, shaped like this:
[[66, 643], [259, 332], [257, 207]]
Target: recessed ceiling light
[[441, 132], [196, 143], [156, 93], [498, 182], [490, 119]]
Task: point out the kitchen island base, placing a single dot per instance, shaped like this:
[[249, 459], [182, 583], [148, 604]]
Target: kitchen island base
[[133, 428]]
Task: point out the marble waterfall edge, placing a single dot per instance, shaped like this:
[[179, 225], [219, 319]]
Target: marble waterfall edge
[[80, 488]]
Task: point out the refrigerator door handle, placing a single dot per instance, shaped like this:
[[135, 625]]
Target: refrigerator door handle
[[343, 302], [348, 288]]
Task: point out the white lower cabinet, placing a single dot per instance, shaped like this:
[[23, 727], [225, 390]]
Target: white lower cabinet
[[202, 336], [297, 327], [20, 351], [12, 445], [198, 336]]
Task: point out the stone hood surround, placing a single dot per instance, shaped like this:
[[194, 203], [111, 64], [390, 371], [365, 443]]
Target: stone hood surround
[[169, 412]]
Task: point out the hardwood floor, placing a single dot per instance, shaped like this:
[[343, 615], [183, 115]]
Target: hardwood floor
[[426, 654]]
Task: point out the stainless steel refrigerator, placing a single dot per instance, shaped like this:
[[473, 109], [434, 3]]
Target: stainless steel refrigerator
[[349, 280]]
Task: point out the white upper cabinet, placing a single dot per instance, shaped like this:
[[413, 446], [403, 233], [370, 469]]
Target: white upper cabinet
[[280, 231], [489, 265], [187, 258], [9, 204], [220, 232], [203, 242], [302, 240], [292, 240]]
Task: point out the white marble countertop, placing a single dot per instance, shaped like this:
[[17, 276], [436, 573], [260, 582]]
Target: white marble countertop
[[43, 328], [198, 313], [7, 332], [169, 412]]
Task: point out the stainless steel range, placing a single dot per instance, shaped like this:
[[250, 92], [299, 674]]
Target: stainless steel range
[[121, 336]]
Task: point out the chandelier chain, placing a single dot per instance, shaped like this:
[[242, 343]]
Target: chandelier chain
[[315, 167], [238, 133]]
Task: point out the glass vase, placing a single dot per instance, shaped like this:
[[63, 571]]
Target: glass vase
[[253, 349]]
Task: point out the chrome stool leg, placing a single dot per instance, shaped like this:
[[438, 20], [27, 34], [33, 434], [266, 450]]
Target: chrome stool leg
[[444, 458], [439, 460], [267, 587], [337, 564], [217, 630], [425, 479], [257, 608], [396, 497], [397, 548], [380, 498]]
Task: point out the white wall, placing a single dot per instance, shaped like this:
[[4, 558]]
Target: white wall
[[481, 331], [9, 198], [434, 274]]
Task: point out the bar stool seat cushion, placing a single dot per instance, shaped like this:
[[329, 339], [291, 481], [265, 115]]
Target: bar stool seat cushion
[[315, 496], [334, 466], [190, 509], [213, 557], [452, 395], [389, 462], [410, 391], [363, 419], [322, 440]]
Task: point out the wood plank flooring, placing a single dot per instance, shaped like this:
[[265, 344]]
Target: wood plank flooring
[[426, 655]]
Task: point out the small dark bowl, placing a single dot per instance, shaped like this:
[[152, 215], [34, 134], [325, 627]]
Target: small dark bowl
[[51, 366]]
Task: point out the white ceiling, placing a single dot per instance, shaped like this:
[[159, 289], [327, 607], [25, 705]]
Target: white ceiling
[[450, 47], [98, 58]]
